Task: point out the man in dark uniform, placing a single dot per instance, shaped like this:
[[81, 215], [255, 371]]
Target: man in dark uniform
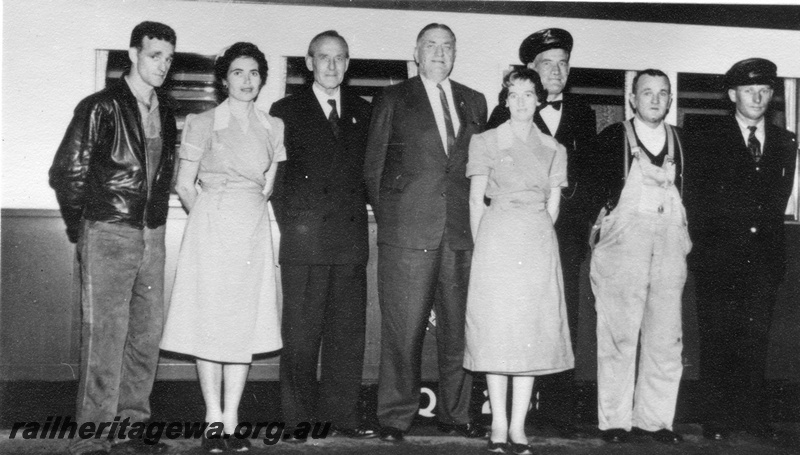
[[741, 180], [320, 205], [573, 124]]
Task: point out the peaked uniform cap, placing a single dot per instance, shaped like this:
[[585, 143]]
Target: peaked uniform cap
[[544, 40], [752, 71]]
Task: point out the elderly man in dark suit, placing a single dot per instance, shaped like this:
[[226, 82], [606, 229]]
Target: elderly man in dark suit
[[573, 124], [415, 172], [741, 180], [320, 205]]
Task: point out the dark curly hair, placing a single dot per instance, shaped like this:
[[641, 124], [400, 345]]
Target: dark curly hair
[[523, 74], [223, 63]]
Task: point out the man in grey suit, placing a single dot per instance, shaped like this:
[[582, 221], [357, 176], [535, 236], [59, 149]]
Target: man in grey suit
[[415, 171]]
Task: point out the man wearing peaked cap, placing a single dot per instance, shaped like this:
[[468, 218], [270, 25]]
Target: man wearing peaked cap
[[572, 123], [744, 171]]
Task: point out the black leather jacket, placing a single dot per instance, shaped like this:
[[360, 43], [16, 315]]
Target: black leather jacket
[[100, 173]]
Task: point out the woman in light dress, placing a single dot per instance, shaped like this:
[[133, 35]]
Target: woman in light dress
[[224, 304], [516, 323]]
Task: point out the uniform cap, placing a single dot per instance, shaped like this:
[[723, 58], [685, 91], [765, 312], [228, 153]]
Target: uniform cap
[[752, 71], [544, 40]]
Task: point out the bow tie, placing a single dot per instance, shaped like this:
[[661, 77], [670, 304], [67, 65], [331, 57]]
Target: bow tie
[[556, 105]]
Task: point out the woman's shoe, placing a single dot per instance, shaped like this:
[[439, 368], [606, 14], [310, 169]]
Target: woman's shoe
[[213, 445], [497, 447], [238, 445], [521, 449]]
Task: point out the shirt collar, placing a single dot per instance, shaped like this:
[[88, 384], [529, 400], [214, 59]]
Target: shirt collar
[[643, 129], [222, 116], [743, 125], [323, 97], [151, 104], [431, 86]]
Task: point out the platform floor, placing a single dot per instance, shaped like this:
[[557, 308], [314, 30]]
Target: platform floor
[[423, 440], [182, 401]]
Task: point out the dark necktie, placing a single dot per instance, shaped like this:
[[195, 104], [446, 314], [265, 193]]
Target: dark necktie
[[556, 105], [448, 121], [333, 118], [753, 144]]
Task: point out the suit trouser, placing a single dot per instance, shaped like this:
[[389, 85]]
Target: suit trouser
[[410, 283], [638, 287], [734, 313], [323, 304], [557, 392], [122, 300]]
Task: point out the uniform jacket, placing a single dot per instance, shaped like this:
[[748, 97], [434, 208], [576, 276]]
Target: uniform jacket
[[319, 196], [420, 194], [736, 206], [576, 131], [99, 171]]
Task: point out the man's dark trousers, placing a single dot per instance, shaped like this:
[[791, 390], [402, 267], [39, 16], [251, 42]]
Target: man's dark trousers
[[328, 302], [122, 298]]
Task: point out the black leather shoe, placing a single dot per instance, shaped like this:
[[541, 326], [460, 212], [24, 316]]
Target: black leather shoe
[[716, 432], [663, 435], [213, 445], [468, 430], [615, 436], [391, 434], [361, 432], [497, 447], [138, 445], [520, 449]]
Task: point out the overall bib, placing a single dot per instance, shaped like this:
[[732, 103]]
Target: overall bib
[[638, 270]]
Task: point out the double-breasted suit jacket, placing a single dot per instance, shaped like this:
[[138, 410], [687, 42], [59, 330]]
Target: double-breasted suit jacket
[[319, 197], [420, 194]]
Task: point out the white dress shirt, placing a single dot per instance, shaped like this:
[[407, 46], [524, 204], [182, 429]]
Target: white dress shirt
[[551, 116], [323, 98], [744, 127], [436, 103]]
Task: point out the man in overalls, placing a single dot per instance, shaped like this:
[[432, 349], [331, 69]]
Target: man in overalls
[[638, 269]]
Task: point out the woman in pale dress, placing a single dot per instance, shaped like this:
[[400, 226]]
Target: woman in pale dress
[[516, 323], [223, 308]]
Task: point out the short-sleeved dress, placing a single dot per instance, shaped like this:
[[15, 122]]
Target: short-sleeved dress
[[224, 303], [516, 320]]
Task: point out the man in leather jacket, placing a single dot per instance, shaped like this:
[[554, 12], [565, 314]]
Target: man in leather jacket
[[112, 175]]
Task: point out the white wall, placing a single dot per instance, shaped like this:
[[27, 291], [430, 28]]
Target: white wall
[[49, 55]]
